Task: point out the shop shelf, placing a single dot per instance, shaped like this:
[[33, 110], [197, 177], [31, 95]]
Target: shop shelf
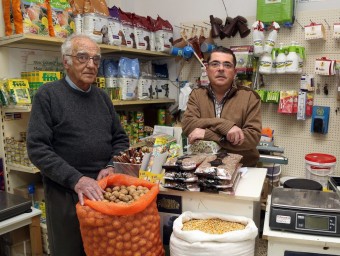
[[31, 39], [142, 102], [22, 168]]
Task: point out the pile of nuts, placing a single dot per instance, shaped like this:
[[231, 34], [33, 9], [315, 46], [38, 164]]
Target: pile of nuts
[[124, 194], [212, 226], [137, 234]]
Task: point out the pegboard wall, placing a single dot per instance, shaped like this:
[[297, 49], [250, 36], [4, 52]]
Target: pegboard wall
[[289, 133]]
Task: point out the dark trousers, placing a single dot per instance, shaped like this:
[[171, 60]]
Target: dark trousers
[[62, 222]]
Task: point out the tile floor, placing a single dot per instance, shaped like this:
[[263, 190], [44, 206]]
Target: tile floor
[[261, 246]]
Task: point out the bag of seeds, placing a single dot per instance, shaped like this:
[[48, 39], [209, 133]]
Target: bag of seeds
[[206, 234]]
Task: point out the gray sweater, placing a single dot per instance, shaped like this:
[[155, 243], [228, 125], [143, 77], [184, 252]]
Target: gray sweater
[[73, 133]]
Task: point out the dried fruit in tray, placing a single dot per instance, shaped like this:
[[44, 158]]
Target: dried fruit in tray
[[204, 146]]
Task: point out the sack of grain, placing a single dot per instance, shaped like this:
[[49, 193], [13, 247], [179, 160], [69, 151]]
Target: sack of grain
[[206, 234]]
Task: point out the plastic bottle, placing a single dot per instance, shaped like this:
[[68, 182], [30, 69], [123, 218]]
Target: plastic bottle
[[300, 50], [292, 60], [270, 42], [281, 60], [258, 38], [266, 63], [274, 55]]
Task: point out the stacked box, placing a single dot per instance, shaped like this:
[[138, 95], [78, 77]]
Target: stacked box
[[18, 91], [16, 152], [38, 78], [100, 82]]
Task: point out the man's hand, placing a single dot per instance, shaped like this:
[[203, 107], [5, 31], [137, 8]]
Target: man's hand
[[235, 136], [105, 172], [90, 188], [197, 134]]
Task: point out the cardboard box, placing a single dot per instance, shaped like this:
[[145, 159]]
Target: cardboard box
[[23, 248], [17, 236], [23, 191]]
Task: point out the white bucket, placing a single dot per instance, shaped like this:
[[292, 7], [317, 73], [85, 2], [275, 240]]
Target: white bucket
[[319, 167]]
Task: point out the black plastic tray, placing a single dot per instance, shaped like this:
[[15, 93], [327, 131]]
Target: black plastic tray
[[13, 205]]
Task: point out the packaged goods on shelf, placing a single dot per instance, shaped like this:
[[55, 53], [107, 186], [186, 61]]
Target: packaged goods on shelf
[[38, 78], [16, 152], [14, 91], [163, 35], [62, 19]]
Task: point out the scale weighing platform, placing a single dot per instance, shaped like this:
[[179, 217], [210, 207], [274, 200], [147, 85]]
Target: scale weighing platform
[[305, 211], [13, 205]]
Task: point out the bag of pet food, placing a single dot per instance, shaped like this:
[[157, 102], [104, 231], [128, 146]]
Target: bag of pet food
[[8, 16], [142, 32], [128, 37], [62, 19], [163, 35], [115, 27], [32, 16]]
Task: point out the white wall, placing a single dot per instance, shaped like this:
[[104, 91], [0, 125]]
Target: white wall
[[182, 11]]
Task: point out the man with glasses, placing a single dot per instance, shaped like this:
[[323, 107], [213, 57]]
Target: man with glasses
[[223, 111], [73, 133]]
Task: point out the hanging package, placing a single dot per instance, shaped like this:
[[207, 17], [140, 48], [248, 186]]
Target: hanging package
[[281, 11]]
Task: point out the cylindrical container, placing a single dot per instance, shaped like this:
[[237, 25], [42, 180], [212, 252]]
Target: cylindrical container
[[258, 38], [292, 61], [266, 63], [273, 172], [270, 42], [281, 61], [207, 47], [161, 116], [319, 166]]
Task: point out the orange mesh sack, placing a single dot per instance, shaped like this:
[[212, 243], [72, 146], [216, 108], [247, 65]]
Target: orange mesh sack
[[114, 229]]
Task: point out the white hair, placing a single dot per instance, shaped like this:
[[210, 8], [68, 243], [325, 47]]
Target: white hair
[[67, 46]]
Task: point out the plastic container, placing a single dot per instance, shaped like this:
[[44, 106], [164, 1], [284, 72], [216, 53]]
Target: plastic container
[[273, 172], [127, 168], [266, 63], [319, 166], [292, 61], [281, 61]]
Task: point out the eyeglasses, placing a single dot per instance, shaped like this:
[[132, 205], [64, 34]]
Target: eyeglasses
[[217, 64], [84, 58]]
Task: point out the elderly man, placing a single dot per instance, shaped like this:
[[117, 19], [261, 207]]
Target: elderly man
[[73, 133], [223, 111]]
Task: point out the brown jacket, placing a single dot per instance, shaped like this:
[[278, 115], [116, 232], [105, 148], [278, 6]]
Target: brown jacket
[[242, 107]]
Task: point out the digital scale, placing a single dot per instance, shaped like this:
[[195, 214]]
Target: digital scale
[[305, 211]]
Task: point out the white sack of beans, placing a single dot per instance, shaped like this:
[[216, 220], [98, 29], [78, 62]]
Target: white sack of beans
[[212, 241]]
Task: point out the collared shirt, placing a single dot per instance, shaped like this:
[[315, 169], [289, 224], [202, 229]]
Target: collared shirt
[[74, 86], [218, 105]]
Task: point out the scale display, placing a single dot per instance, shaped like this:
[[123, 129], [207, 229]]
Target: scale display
[[305, 211]]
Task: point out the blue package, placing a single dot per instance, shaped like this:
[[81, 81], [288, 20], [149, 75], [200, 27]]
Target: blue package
[[161, 70], [320, 119], [128, 68], [110, 68]]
